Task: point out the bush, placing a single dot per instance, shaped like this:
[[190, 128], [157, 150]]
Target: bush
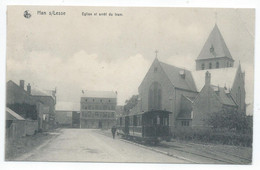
[[214, 136]]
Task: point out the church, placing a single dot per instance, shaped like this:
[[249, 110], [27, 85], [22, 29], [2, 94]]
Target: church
[[191, 96]]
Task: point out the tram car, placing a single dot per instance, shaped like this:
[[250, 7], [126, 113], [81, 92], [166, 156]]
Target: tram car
[[148, 127]]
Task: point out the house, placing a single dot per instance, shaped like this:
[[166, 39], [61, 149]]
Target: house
[[97, 109], [191, 96], [31, 103]]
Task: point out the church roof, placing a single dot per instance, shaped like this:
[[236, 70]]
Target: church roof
[[223, 77], [179, 77], [215, 46]]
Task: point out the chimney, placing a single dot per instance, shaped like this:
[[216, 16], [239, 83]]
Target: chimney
[[29, 88], [22, 84], [207, 78]]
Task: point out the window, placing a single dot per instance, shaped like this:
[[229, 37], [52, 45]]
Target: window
[[210, 65], [93, 100], [217, 65], [155, 69], [155, 96], [227, 64], [202, 66], [185, 123]]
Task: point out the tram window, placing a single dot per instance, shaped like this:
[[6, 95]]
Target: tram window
[[165, 122], [158, 120], [120, 121], [135, 121]]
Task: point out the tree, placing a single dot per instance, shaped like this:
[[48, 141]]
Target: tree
[[131, 103], [231, 120]]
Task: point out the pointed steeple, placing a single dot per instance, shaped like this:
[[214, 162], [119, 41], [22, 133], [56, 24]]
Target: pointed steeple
[[215, 46], [214, 54]]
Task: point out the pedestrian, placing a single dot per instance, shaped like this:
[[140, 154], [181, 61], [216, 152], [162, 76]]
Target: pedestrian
[[113, 130]]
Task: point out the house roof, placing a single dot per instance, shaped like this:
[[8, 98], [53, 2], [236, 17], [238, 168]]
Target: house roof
[[175, 75], [224, 95], [223, 77], [11, 115], [215, 46], [67, 106], [99, 94]]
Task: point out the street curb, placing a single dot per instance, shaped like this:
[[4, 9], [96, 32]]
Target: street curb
[[159, 151]]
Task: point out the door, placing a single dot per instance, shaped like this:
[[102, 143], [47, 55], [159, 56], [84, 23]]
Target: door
[[100, 125]]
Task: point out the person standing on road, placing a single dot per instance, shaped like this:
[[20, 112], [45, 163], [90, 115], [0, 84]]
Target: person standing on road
[[113, 130]]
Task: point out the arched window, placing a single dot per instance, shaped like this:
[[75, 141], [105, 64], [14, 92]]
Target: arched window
[[155, 96], [217, 65], [210, 65], [202, 66], [227, 64]]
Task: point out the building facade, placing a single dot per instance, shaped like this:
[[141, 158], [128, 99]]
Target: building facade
[[97, 109]]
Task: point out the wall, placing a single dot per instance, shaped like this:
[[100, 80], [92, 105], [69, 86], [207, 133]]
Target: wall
[[205, 104], [31, 127], [64, 118], [167, 92], [17, 129], [222, 63], [47, 102]]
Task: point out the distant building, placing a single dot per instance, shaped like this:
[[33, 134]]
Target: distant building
[[97, 109], [64, 112]]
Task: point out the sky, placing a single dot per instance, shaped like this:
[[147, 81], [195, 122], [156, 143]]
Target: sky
[[113, 53]]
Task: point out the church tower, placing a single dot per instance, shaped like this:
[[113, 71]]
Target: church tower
[[214, 53]]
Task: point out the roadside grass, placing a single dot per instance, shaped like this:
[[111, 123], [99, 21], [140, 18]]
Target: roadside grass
[[225, 137], [17, 147]]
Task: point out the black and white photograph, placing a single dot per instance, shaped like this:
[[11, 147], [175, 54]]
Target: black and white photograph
[[163, 85]]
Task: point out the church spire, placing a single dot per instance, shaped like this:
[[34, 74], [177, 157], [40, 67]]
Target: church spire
[[156, 53], [215, 53]]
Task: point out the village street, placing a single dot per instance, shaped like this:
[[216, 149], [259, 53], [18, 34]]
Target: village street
[[95, 145], [88, 145]]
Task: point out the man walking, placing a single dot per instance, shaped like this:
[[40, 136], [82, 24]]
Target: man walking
[[113, 130]]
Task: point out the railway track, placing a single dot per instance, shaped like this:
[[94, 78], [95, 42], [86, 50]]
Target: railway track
[[209, 150], [191, 153]]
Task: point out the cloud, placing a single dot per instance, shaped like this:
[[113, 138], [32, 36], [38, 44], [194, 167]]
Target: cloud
[[80, 71]]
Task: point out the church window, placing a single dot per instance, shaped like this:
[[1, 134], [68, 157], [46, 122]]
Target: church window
[[155, 96], [185, 123], [210, 65], [217, 65], [155, 69], [202, 66]]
